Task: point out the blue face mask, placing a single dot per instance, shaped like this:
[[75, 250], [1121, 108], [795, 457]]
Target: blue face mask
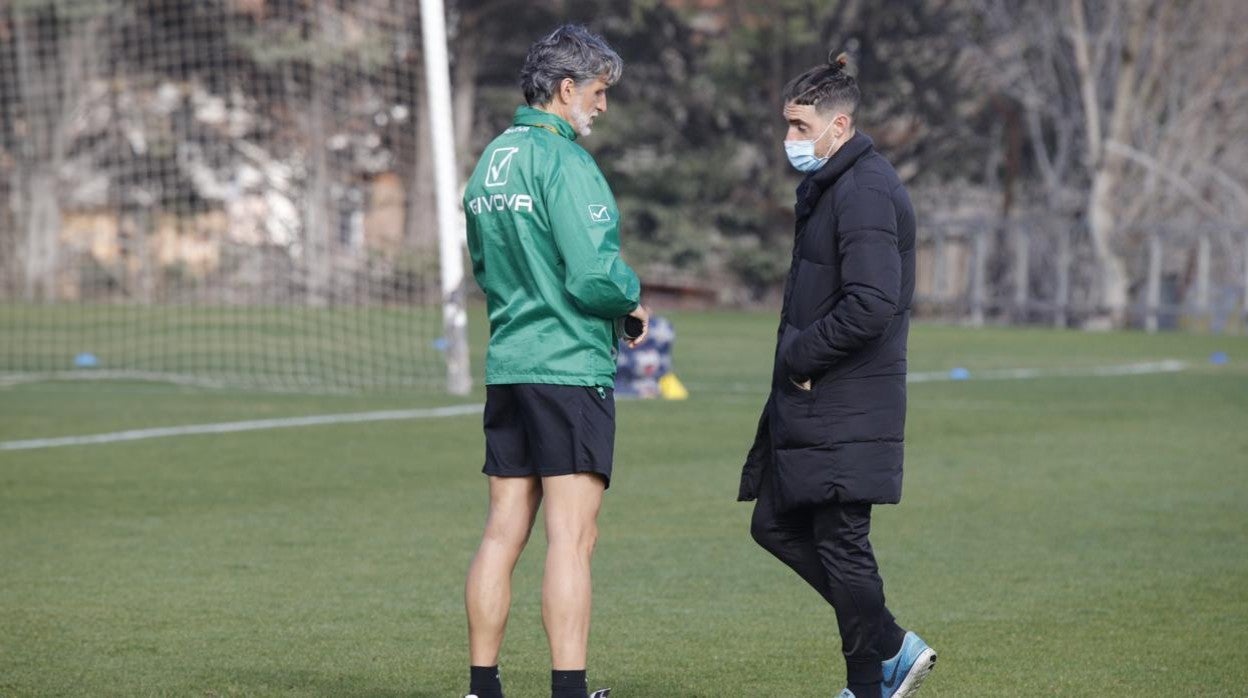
[[802, 153]]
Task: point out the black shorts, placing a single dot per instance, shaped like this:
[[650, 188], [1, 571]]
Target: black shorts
[[538, 430]]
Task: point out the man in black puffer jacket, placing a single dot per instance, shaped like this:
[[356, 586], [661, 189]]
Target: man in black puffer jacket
[[829, 443]]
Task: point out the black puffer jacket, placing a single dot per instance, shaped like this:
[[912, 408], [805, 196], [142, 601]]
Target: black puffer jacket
[[843, 325]]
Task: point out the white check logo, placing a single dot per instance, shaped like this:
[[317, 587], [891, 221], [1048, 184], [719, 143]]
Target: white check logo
[[500, 166], [599, 214]]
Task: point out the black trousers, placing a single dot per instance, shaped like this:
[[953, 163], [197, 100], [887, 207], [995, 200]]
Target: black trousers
[[828, 547]]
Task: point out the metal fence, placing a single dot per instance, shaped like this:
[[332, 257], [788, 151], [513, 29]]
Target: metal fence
[[1041, 271]]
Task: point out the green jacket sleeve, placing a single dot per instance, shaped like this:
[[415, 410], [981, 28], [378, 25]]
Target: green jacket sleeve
[[584, 220]]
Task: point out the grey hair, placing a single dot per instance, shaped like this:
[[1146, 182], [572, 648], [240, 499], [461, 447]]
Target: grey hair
[[571, 51]]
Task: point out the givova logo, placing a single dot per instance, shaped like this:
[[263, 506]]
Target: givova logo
[[499, 168], [494, 203]]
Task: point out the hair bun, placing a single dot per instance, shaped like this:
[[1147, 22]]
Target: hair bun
[[840, 60]]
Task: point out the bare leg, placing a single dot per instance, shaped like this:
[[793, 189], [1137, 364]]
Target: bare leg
[[572, 504], [487, 594]]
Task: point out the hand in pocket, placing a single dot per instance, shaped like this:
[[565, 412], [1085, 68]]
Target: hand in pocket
[[802, 385]]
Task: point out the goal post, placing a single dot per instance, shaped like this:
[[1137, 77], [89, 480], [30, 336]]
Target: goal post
[[446, 181], [244, 193]]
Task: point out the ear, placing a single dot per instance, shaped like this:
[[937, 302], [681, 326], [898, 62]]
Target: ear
[[843, 123], [567, 90]]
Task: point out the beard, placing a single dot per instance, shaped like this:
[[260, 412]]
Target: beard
[[582, 121]]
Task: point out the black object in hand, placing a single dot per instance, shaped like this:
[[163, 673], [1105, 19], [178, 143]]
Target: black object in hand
[[633, 327]]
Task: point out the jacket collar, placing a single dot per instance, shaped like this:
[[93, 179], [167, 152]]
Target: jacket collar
[[817, 182], [530, 116], [858, 145]]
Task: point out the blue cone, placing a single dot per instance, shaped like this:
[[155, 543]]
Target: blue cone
[[1219, 358], [86, 360], [959, 374]]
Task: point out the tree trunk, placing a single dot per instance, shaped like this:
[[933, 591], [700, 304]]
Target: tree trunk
[[1203, 309], [42, 231], [318, 250], [1114, 283], [41, 155], [466, 69], [1021, 240], [979, 266], [1245, 307], [1153, 302], [10, 242], [51, 79], [1106, 169], [1061, 316]]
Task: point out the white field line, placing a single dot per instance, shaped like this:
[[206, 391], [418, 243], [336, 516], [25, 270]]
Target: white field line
[[1142, 369], [1137, 369], [232, 427], [10, 380], [13, 379]]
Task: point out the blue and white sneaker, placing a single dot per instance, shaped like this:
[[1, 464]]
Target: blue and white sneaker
[[904, 673], [846, 693]]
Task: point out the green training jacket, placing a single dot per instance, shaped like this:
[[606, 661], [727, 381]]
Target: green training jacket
[[543, 234]]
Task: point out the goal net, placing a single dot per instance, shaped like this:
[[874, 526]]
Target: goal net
[[231, 192]]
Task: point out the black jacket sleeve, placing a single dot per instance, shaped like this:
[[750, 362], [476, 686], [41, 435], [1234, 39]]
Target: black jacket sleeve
[[870, 285]]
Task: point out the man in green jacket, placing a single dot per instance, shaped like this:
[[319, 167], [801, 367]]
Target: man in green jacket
[[543, 234]]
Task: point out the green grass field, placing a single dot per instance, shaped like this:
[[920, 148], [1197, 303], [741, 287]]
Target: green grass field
[[277, 346], [1062, 536]]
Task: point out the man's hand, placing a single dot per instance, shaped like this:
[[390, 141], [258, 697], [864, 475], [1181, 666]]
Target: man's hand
[[643, 314]]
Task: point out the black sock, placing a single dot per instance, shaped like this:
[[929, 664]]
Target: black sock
[[865, 690], [891, 637], [568, 684], [484, 682], [864, 678]]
